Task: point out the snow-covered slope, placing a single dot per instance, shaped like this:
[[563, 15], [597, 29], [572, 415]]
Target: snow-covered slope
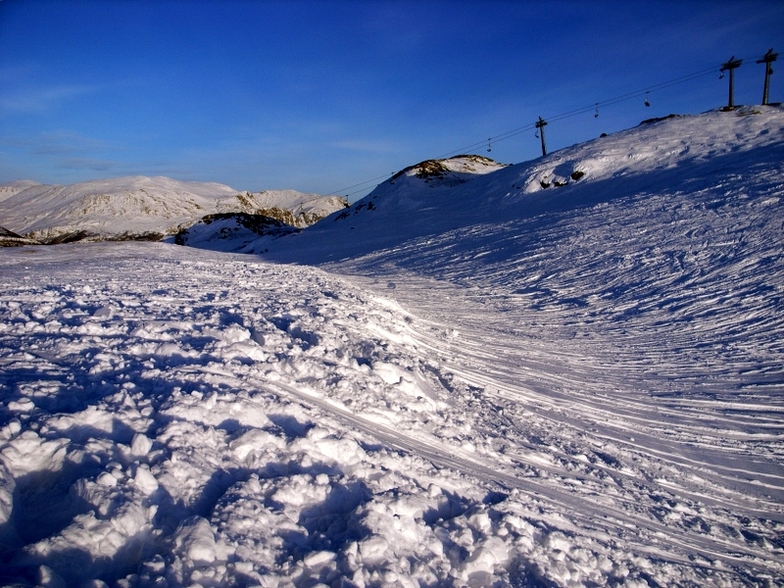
[[143, 206], [675, 155], [563, 386]]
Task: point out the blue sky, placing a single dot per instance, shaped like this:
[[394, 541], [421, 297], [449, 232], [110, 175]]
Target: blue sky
[[318, 96]]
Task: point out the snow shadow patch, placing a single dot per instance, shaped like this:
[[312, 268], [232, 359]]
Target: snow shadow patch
[[220, 481], [290, 425], [294, 468], [289, 325], [44, 502], [331, 524], [494, 497], [527, 574], [451, 506], [74, 566], [54, 395], [119, 433], [171, 513]]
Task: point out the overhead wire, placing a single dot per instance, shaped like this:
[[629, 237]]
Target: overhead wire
[[530, 127]]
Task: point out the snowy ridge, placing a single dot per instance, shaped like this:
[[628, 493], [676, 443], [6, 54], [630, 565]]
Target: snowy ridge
[[487, 383], [141, 205], [13, 188], [235, 231]]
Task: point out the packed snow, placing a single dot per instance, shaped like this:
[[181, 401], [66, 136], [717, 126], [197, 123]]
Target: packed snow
[[525, 377]]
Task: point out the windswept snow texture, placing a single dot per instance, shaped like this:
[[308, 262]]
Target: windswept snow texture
[[572, 386]]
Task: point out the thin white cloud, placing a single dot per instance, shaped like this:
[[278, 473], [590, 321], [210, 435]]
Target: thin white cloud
[[366, 146], [87, 163], [56, 143], [37, 100]]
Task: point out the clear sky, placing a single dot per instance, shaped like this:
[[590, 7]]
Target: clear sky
[[318, 95]]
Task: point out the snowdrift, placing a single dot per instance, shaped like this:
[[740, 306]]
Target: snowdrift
[[499, 376]]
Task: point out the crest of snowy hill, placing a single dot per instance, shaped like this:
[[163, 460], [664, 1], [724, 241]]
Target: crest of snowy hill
[[141, 207], [668, 156], [13, 188], [450, 172]]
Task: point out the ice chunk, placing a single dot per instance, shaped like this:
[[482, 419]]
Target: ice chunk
[[318, 559], [195, 541], [107, 479], [145, 480], [141, 445], [391, 374], [251, 441], [235, 334], [373, 549], [493, 551], [49, 578]]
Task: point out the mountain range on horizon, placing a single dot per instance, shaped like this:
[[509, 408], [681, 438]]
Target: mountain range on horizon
[[142, 208]]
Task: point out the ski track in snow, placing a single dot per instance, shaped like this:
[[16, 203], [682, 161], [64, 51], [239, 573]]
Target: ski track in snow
[[583, 390], [180, 417]]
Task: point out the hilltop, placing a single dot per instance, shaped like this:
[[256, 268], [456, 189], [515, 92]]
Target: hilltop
[[670, 156]]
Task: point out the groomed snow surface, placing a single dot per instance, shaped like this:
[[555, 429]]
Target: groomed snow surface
[[572, 386]]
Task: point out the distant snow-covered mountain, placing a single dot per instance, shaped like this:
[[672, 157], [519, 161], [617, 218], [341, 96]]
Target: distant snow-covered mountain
[[141, 207], [13, 188], [294, 208]]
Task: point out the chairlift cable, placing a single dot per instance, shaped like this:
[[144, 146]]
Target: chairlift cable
[[529, 127]]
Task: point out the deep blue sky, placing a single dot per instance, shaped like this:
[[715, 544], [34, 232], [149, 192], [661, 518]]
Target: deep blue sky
[[319, 95]]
